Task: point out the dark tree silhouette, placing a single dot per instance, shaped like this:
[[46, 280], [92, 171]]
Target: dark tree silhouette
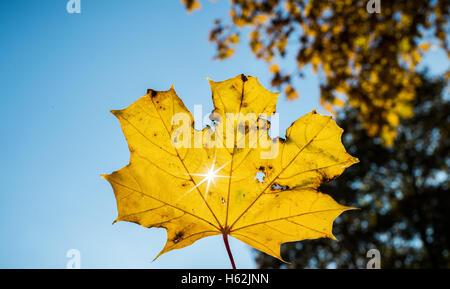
[[403, 193]]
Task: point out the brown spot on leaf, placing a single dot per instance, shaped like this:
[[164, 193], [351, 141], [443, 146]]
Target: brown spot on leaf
[[178, 237]]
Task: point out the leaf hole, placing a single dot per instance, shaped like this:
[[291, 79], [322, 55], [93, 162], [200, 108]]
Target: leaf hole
[[260, 177], [279, 187]]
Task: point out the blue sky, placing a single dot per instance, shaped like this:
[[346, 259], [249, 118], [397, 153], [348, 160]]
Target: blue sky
[[60, 75]]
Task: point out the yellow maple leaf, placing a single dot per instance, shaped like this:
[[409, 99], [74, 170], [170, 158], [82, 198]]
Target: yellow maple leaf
[[196, 189]]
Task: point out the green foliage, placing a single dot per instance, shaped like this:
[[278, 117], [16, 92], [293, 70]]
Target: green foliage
[[366, 59], [403, 193]]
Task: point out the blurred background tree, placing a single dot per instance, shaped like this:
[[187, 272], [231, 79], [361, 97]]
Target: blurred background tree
[[367, 60], [402, 190]]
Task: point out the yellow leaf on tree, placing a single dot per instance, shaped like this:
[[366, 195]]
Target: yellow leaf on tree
[[195, 191], [424, 46], [191, 5], [274, 68]]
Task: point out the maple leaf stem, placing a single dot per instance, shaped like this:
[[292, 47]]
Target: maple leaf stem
[[225, 240]]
